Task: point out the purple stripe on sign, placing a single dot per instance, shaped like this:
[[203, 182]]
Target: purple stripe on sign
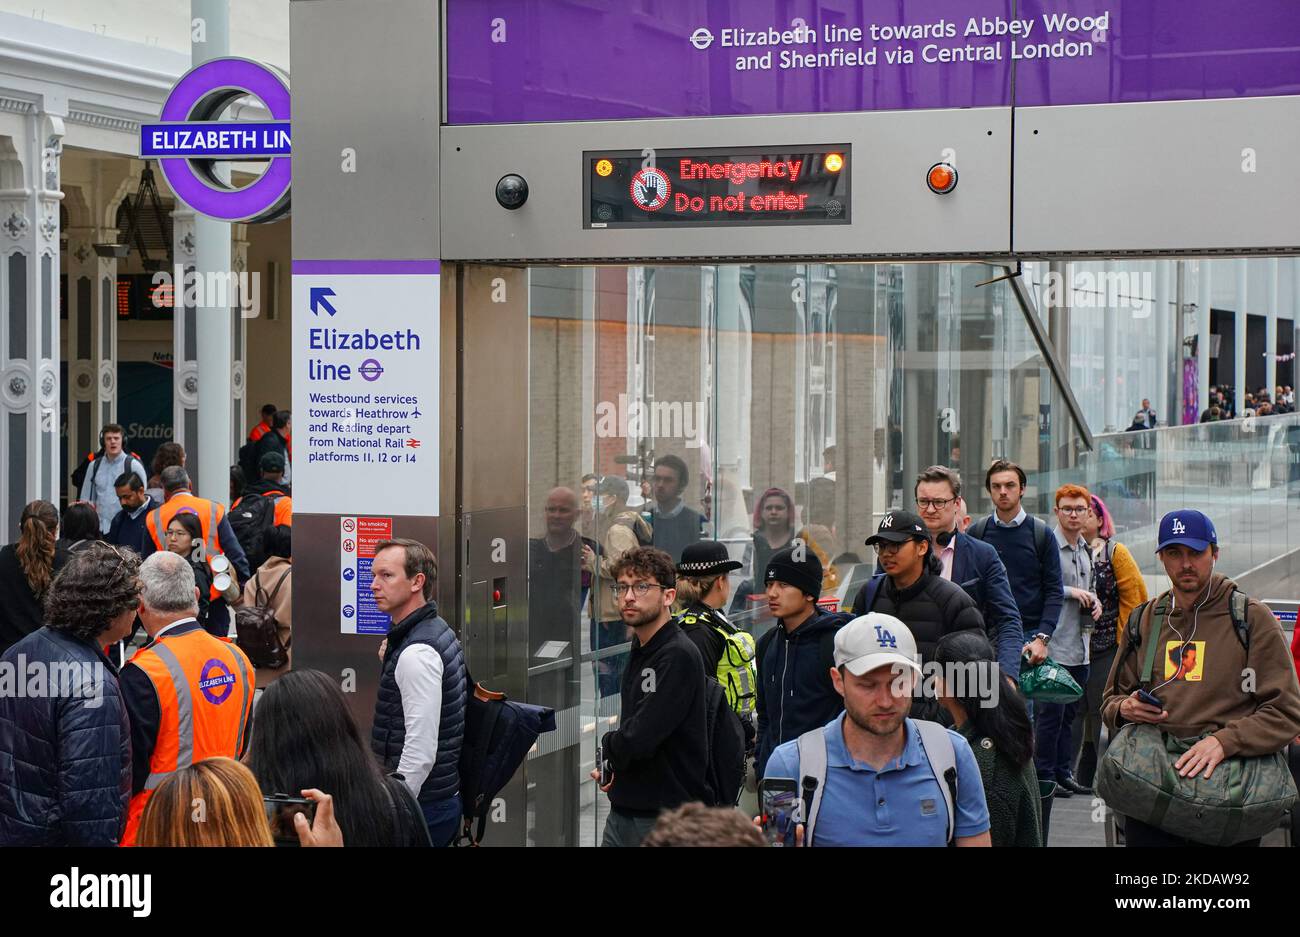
[[358, 267], [549, 60], [553, 60], [1161, 50]]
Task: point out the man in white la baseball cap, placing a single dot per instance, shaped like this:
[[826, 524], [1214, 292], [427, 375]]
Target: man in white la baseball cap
[[875, 640], [872, 776]]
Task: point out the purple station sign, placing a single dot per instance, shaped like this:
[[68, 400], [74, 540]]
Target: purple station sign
[[188, 139], [552, 60]]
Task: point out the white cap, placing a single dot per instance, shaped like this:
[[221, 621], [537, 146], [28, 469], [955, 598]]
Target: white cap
[[875, 640]]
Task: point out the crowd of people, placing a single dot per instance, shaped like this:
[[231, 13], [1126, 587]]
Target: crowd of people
[[1222, 405], [861, 687], [899, 719], [103, 742]]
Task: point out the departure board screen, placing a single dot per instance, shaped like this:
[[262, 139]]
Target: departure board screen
[[717, 187]]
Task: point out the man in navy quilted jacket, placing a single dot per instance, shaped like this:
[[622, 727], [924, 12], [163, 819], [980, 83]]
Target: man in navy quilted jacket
[[65, 738]]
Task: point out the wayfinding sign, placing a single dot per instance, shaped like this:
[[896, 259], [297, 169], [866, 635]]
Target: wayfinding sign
[[365, 387], [741, 186], [189, 138]]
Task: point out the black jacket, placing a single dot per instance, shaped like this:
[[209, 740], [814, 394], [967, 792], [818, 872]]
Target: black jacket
[[20, 610], [930, 607], [698, 623], [126, 531], [795, 692], [661, 745], [65, 759]]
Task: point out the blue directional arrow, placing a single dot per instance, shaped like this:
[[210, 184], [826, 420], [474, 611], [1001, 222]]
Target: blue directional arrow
[[319, 298]]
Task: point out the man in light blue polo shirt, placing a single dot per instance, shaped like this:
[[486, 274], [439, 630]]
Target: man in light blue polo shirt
[[880, 788]]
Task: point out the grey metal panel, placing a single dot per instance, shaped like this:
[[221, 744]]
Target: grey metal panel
[[84, 431], [894, 213], [107, 309], [83, 318], [48, 286], [191, 445], [47, 456], [377, 91], [17, 467], [191, 329], [317, 641], [17, 307], [1113, 178]]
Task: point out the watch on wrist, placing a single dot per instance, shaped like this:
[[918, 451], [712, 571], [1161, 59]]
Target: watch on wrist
[[1045, 638]]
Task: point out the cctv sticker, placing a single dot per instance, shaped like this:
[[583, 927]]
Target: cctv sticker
[[650, 189]]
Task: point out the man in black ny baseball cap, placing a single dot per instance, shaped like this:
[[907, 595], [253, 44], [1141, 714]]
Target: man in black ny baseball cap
[[913, 590]]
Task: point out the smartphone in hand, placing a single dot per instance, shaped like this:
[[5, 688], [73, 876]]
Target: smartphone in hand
[[780, 810]]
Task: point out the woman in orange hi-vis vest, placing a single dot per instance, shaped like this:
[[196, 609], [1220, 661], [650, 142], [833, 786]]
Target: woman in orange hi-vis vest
[[189, 694]]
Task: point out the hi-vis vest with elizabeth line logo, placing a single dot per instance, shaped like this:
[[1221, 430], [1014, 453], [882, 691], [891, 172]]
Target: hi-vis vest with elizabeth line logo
[[209, 513], [205, 695]]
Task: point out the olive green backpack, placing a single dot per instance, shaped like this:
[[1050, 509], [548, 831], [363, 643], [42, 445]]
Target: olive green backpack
[[1244, 798]]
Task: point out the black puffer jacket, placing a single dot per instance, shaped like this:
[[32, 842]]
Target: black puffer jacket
[[65, 759], [930, 607], [388, 735]]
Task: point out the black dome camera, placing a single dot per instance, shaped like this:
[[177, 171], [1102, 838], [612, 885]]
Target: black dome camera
[[512, 191]]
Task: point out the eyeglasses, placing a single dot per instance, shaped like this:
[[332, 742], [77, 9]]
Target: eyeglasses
[[936, 503], [889, 546], [1072, 511], [640, 589]]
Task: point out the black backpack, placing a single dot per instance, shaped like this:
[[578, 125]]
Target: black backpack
[[257, 630], [498, 734], [250, 520], [725, 736]]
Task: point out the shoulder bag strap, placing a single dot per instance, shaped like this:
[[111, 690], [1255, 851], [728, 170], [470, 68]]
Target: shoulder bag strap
[[1158, 614]]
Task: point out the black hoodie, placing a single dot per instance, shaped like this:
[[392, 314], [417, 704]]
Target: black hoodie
[[795, 692]]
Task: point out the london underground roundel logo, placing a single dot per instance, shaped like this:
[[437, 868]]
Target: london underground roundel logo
[[216, 681], [189, 139], [651, 189]]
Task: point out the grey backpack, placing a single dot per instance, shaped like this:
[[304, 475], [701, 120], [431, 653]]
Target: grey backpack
[[812, 772]]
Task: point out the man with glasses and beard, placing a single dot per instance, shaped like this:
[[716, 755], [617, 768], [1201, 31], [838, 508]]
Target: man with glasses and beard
[[659, 752]]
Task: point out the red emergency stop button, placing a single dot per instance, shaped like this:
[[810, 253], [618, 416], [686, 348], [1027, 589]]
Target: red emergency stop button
[[496, 596], [942, 178]]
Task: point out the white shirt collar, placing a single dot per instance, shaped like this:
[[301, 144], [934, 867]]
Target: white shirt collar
[[1014, 522]]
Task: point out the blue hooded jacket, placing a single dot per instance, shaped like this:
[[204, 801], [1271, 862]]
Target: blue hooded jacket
[[795, 693]]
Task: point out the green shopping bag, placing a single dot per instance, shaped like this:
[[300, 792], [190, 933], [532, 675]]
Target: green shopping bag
[[1049, 682]]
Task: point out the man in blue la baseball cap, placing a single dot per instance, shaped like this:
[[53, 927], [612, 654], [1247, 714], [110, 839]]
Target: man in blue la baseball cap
[[1200, 640], [1188, 528]]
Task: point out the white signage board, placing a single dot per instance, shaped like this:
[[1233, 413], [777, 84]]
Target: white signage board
[[365, 387]]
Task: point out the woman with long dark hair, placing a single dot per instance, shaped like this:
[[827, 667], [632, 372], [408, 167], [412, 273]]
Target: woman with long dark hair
[[26, 570], [168, 454], [1000, 735], [305, 737]]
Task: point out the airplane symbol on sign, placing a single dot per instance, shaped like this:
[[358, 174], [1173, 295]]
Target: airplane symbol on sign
[[415, 412], [413, 443]]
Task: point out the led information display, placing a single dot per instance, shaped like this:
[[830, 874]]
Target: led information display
[[698, 187]]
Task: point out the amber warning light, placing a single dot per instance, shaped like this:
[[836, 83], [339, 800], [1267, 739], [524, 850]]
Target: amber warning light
[[834, 162], [604, 167], [942, 178]]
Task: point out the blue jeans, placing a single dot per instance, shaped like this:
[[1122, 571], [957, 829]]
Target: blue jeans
[[1053, 749], [443, 819]]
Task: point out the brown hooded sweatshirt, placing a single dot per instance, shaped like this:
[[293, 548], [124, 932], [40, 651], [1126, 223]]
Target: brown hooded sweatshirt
[[1212, 689]]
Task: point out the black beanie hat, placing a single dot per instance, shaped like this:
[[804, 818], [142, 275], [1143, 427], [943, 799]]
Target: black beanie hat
[[804, 573]]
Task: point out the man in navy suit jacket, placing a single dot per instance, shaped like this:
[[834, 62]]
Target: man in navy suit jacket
[[971, 564]]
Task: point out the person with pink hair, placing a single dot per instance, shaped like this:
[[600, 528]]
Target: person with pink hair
[[1118, 584]]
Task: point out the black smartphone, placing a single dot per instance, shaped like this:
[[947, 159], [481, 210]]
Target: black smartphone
[[1150, 699], [780, 810], [280, 810], [606, 769]]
